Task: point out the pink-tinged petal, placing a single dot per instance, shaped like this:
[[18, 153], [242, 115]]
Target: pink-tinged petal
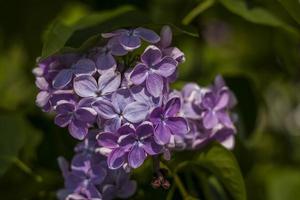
[[154, 84], [139, 74], [85, 86], [105, 61], [62, 120], [172, 107], [136, 112], [130, 42], [78, 132], [108, 139], [144, 130], [177, 125], [42, 98], [84, 66], [62, 79], [162, 134], [109, 82], [136, 156], [223, 100], [147, 35], [64, 107], [210, 120], [113, 124], [151, 56], [166, 67], [116, 158], [105, 109], [156, 115], [165, 36], [86, 114]]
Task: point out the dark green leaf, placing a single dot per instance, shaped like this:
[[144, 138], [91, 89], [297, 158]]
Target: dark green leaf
[[257, 15], [293, 8], [222, 163]]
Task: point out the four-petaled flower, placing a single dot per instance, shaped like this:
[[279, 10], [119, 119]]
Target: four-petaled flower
[[152, 69], [130, 145], [167, 122], [78, 117], [131, 39]]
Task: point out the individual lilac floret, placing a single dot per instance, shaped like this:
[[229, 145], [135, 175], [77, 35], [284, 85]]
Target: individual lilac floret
[[82, 183], [165, 45], [87, 86], [131, 39], [118, 185], [78, 117], [152, 70], [64, 77], [121, 108], [105, 55], [130, 145], [167, 122]]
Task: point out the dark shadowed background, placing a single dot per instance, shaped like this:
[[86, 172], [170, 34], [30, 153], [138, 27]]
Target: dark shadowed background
[[254, 44]]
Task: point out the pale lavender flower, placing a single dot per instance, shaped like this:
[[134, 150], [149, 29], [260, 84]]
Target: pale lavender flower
[[131, 39], [167, 122], [152, 70], [77, 117], [88, 86]]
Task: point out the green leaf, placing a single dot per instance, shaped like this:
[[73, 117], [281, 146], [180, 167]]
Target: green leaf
[[204, 5], [257, 15], [293, 8], [222, 163], [59, 33], [12, 139]]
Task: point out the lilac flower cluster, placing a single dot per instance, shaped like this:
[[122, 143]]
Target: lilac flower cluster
[[88, 176], [125, 97]]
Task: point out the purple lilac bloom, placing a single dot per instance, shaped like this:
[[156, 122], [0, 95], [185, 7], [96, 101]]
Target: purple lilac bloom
[[129, 145], [131, 39], [167, 122], [105, 55], [77, 117], [152, 70], [88, 86], [121, 108]]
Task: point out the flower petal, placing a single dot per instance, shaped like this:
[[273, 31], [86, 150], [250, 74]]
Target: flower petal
[[85, 86], [147, 35], [151, 147], [154, 84], [144, 130], [130, 42], [62, 79], [64, 107], [42, 98], [86, 114], [105, 109], [78, 132], [136, 156], [112, 124], [109, 82], [162, 134], [107, 139], [177, 125], [156, 115], [172, 107], [166, 67], [210, 120], [139, 74], [165, 36], [223, 100], [105, 61], [136, 112], [116, 158], [62, 120], [84, 66], [151, 56]]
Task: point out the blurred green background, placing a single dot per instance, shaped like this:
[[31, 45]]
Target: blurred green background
[[254, 44]]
